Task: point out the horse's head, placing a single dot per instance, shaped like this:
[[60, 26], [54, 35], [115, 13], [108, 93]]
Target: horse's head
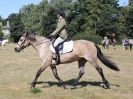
[[24, 41]]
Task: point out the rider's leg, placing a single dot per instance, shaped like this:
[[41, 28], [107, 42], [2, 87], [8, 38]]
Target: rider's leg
[[56, 43]]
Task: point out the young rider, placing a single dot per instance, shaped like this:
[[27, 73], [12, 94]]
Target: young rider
[[59, 34]]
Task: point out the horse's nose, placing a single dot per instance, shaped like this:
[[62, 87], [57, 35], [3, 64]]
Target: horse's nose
[[16, 50]]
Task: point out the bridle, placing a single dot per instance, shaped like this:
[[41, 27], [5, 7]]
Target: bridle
[[38, 43], [21, 46]]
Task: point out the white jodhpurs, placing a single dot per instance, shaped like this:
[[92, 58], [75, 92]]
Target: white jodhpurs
[[58, 41]]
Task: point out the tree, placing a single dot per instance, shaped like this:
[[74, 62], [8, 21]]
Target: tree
[[109, 16], [93, 17], [16, 26], [130, 2], [0, 19], [129, 20], [1, 33], [86, 19]]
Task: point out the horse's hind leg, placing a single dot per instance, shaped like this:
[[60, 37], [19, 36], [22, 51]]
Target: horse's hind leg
[[100, 71], [103, 46], [54, 69], [130, 47], [81, 64]]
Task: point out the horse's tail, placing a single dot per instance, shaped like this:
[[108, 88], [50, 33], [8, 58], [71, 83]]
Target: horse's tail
[[105, 60]]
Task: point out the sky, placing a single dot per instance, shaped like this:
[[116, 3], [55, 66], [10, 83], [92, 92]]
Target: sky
[[123, 2], [8, 7]]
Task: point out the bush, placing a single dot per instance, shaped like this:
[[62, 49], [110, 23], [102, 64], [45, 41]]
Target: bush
[[14, 37], [120, 37], [93, 38]]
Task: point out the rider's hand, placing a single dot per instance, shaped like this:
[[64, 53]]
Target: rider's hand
[[50, 37]]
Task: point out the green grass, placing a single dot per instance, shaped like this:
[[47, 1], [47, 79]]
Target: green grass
[[35, 90], [17, 70]]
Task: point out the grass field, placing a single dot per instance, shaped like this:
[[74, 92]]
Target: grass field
[[17, 70]]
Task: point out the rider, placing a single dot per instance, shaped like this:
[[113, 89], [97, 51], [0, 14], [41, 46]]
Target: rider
[[105, 38], [59, 34], [126, 40]]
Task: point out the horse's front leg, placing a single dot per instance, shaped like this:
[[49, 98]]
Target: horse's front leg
[[33, 84], [54, 69]]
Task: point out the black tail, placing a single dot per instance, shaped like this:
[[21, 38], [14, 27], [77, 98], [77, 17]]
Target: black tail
[[105, 60]]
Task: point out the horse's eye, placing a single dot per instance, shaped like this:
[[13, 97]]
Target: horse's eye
[[21, 40]]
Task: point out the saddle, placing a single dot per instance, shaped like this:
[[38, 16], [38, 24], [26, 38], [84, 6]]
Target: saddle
[[65, 47]]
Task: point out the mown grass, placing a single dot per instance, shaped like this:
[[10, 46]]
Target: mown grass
[[17, 70]]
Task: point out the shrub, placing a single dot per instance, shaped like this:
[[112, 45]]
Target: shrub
[[93, 38]]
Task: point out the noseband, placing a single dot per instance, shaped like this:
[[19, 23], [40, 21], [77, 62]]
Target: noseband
[[21, 46]]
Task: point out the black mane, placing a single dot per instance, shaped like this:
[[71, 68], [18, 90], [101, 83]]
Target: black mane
[[31, 36]]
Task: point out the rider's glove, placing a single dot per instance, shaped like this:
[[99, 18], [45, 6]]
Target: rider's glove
[[50, 37]]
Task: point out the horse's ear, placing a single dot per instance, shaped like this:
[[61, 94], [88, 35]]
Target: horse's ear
[[25, 34]]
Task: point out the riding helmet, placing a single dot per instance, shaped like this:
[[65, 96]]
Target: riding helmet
[[61, 12]]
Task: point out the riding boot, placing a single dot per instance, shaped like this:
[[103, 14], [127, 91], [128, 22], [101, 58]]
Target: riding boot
[[57, 55]]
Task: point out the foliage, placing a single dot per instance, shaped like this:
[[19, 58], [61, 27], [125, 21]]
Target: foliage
[[35, 90], [129, 20], [84, 18], [1, 34], [94, 38], [0, 19], [16, 26]]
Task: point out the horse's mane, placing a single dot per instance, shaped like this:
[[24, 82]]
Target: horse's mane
[[30, 36]]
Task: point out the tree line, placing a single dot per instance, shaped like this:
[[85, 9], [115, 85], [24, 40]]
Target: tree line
[[86, 19]]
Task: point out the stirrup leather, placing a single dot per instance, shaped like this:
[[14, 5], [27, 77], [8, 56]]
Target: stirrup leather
[[57, 55]]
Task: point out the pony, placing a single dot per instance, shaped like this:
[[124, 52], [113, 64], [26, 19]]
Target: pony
[[83, 51], [3, 42], [130, 41], [105, 44], [113, 42], [127, 44]]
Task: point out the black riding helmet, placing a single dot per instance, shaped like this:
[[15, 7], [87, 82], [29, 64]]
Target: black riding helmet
[[61, 13]]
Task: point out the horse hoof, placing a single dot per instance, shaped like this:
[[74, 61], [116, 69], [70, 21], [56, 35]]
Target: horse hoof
[[74, 87], [33, 85], [106, 85], [64, 86]]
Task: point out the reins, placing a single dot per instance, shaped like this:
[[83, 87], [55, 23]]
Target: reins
[[42, 42]]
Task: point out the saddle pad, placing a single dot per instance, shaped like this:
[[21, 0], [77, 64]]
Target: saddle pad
[[67, 47]]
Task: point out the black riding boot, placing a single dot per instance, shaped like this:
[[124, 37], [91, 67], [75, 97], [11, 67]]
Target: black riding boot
[[57, 55]]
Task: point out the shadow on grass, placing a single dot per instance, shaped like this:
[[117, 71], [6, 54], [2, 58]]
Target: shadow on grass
[[71, 83]]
